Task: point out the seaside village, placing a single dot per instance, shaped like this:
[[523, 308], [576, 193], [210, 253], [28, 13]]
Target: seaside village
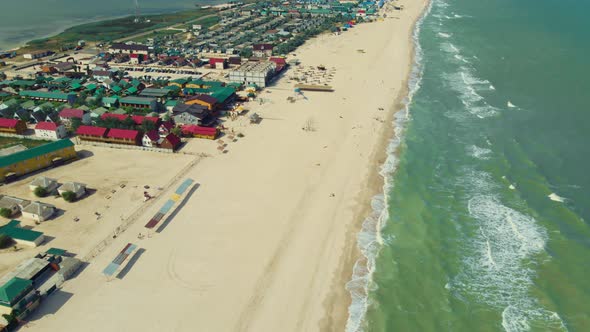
[[78, 129]]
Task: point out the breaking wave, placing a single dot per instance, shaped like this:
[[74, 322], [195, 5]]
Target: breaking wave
[[369, 240], [500, 258]]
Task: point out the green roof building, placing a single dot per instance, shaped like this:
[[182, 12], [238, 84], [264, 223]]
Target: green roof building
[[33, 159], [22, 235], [139, 102], [223, 95], [52, 96], [132, 90], [12, 292]]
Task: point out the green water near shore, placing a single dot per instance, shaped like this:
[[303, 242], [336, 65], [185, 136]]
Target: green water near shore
[[25, 20], [489, 206]]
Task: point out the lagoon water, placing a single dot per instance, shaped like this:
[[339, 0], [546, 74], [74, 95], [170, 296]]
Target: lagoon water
[[486, 221], [24, 20]]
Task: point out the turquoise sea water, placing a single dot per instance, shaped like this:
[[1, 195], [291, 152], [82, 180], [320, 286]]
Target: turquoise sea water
[[486, 220], [24, 20]]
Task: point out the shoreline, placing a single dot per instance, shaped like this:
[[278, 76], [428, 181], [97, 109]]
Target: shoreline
[[378, 184]]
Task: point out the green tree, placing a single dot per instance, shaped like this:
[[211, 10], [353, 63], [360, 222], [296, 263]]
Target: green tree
[[246, 52], [128, 123], [147, 125], [176, 131], [40, 192], [5, 241], [69, 196], [6, 213], [75, 124]]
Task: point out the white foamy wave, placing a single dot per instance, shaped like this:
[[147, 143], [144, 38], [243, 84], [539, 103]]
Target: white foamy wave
[[499, 264], [369, 240], [479, 153], [468, 86], [509, 104], [444, 35], [512, 187], [492, 87], [556, 198], [449, 48], [460, 58]]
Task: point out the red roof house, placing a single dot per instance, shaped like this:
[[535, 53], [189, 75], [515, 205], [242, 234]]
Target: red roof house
[[165, 128], [46, 126], [12, 126], [140, 118], [90, 133], [68, 113], [124, 136], [151, 138], [120, 117], [201, 132], [213, 62], [262, 50], [170, 142], [280, 61], [50, 130]]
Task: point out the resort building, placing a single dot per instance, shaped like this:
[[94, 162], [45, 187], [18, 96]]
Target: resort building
[[12, 126], [49, 96], [36, 54], [129, 49], [38, 211], [171, 142], [112, 101], [258, 73], [50, 130], [68, 114], [140, 119], [33, 159], [77, 188], [262, 50], [43, 182], [21, 235], [102, 75], [16, 294], [151, 138], [200, 132], [124, 136], [13, 204], [155, 93], [165, 128], [90, 133], [203, 100], [139, 102]]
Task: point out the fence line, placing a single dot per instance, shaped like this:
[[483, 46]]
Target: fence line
[[123, 146], [132, 218]]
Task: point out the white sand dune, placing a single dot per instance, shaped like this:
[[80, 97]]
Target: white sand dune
[[267, 242]]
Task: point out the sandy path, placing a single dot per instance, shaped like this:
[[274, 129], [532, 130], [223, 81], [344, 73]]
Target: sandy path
[[262, 244]]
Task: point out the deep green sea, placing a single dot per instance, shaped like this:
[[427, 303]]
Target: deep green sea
[[24, 20], [485, 225]]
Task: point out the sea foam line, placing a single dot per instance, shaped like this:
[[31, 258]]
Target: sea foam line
[[369, 239], [499, 266]]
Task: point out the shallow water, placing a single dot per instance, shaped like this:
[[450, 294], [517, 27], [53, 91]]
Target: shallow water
[[24, 20], [485, 227]]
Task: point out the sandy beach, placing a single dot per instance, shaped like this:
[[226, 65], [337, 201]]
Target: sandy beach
[[267, 240]]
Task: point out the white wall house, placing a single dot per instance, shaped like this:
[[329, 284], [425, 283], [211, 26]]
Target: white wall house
[[50, 130]]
